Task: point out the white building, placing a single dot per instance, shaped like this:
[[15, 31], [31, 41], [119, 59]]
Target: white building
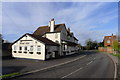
[[46, 42]]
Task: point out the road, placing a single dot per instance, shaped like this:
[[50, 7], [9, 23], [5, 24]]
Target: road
[[93, 65]]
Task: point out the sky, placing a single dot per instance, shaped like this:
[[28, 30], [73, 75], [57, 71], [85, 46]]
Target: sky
[[85, 19]]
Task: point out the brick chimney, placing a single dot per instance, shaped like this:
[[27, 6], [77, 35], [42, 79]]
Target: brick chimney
[[52, 25], [69, 30]]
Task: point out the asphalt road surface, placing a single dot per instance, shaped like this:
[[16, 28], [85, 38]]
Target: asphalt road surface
[[93, 65]]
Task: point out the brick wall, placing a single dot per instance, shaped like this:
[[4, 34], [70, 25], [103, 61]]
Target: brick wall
[[106, 49]]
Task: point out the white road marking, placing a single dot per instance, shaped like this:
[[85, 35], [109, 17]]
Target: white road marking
[[94, 58], [54, 65], [89, 63], [72, 73]]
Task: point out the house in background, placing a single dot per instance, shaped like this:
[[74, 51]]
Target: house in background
[[109, 44], [109, 40], [46, 42]]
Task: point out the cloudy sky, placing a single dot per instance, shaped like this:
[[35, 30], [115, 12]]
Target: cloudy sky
[[86, 19]]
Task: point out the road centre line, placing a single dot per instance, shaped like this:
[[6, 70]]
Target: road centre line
[[53, 66], [72, 73]]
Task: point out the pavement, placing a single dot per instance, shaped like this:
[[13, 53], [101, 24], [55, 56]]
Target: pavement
[[116, 61], [93, 65]]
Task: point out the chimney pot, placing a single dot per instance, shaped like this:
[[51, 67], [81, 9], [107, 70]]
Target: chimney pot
[[69, 30], [52, 19]]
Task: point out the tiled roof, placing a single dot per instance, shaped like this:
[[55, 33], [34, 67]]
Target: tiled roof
[[110, 36], [44, 29], [39, 38], [44, 40]]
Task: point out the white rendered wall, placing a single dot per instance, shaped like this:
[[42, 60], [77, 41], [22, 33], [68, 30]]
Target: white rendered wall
[[53, 37], [34, 43]]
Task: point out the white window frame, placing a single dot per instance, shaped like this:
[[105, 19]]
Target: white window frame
[[31, 48], [38, 48], [21, 48], [25, 48], [15, 47]]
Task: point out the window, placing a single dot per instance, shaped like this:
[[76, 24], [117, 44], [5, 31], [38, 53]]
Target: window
[[68, 37], [25, 48], [15, 47], [39, 48], [108, 41], [15, 51], [20, 48], [31, 48], [63, 47]]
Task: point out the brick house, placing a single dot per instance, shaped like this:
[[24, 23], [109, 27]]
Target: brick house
[[109, 40]]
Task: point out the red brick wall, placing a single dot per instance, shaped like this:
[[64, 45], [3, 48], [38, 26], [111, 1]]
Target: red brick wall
[[106, 49]]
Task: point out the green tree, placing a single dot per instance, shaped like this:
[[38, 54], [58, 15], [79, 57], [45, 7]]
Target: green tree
[[115, 45], [79, 45], [101, 44], [88, 44], [94, 45]]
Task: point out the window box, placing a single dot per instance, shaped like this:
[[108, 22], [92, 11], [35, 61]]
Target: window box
[[25, 52], [15, 51], [31, 52], [38, 52], [19, 51]]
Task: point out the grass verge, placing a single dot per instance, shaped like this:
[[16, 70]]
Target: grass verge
[[116, 55], [9, 75]]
